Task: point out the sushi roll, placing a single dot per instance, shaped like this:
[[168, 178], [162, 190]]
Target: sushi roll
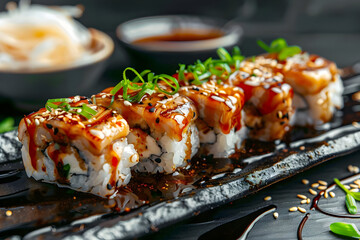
[[220, 121], [316, 82], [77, 145], [162, 123], [268, 106]]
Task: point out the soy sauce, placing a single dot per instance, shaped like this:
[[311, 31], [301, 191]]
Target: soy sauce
[[181, 35]]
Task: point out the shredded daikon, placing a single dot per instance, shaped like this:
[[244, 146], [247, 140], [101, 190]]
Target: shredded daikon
[[35, 36]]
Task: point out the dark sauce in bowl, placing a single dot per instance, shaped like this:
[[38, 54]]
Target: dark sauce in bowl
[[181, 35]]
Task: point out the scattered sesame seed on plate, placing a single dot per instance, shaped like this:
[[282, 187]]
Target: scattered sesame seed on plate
[[354, 185], [276, 215], [321, 182], [313, 192], [354, 190], [302, 210], [301, 196], [267, 198], [308, 200], [305, 181], [326, 195], [293, 209], [332, 194], [322, 187], [314, 185], [303, 201]]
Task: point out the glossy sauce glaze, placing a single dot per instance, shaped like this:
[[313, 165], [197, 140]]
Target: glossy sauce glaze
[[268, 101], [219, 106], [306, 73], [56, 130], [171, 114]]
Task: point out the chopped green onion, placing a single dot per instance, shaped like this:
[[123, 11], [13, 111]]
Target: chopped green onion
[[222, 67], [147, 87], [345, 229], [280, 46], [356, 195], [64, 105], [350, 204], [7, 124]]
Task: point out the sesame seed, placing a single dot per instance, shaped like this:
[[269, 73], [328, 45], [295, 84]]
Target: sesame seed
[[279, 114], [305, 181], [314, 185], [163, 106], [303, 201], [222, 92], [321, 182], [326, 195], [37, 122], [205, 93], [81, 124], [127, 103], [267, 198], [308, 200], [293, 209], [357, 181], [353, 185], [313, 192], [97, 133], [332, 194], [161, 95], [301, 196], [302, 210], [8, 213], [302, 148], [355, 169], [346, 186], [276, 215], [219, 99], [322, 187], [354, 190], [103, 96]]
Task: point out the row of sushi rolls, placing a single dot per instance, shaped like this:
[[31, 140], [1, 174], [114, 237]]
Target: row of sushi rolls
[[156, 123]]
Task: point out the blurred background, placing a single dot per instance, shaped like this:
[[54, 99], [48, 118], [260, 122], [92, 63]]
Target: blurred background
[[326, 27]]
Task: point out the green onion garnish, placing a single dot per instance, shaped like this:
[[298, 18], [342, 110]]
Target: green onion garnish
[[350, 204], [7, 124], [345, 229], [355, 195], [201, 72], [280, 46], [141, 87], [63, 104]]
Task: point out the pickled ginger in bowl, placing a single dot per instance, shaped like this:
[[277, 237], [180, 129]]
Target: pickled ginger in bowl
[[45, 48]]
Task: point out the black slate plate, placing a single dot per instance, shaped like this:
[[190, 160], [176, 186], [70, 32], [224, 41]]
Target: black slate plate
[[151, 203]]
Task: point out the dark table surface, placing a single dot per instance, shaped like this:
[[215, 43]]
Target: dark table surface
[[284, 197]]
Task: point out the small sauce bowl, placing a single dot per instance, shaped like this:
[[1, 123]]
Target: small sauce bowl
[[162, 42]]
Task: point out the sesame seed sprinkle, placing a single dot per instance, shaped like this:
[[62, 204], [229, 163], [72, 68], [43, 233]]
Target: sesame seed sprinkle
[[293, 209], [276, 215], [302, 210], [219, 99], [267, 198], [302, 196], [312, 191]]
